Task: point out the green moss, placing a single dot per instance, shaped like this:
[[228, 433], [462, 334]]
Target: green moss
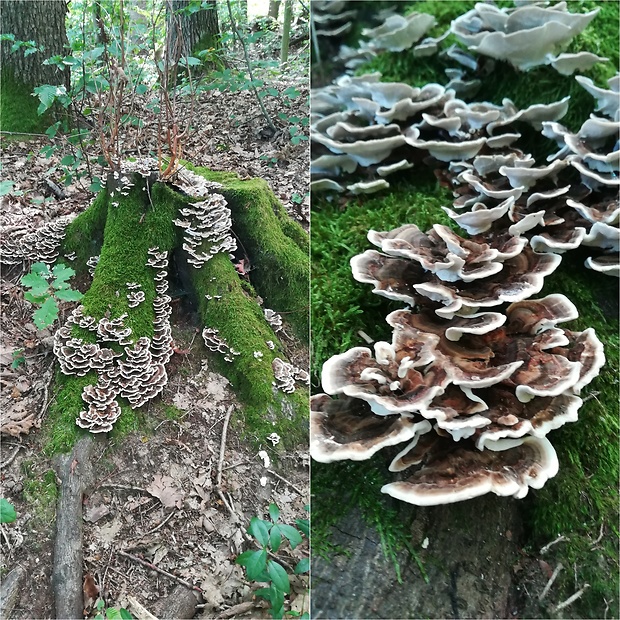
[[84, 236], [276, 246], [40, 493], [18, 108]]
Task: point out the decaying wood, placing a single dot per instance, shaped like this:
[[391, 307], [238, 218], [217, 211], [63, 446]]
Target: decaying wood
[[139, 611], [180, 603], [75, 474], [241, 608], [9, 590]]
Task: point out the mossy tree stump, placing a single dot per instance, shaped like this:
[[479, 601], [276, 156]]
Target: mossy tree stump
[[121, 227]]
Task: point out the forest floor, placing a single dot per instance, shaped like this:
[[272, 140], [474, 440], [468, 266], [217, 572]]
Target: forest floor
[[153, 495]]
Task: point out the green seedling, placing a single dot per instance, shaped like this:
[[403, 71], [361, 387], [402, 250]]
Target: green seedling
[[47, 288], [270, 536], [7, 511]]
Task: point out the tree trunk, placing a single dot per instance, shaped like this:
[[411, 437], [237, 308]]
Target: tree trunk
[[43, 23], [286, 30], [189, 33], [274, 8]]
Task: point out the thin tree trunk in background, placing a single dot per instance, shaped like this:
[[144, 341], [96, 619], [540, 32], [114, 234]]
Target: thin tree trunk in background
[[286, 30], [43, 22], [243, 10], [189, 33], [274, 8]]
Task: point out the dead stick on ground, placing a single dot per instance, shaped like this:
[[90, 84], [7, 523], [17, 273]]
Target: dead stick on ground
[[11, 458], [553, 577], [290, 484], [553, 542], [573, 598], [154, 529], [220, 463], [135, 558], [241, 608]]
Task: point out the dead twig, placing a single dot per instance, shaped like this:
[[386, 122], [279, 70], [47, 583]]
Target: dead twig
[[553, 577], [220, 463], [123, 487], [236, 610], [135, 558], [46, 387], [560, 538], [11, 458], [290, 484], [154, 529], [571, 599]]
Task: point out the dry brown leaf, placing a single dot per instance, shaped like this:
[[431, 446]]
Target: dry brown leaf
[[16, 421], [163, 488]]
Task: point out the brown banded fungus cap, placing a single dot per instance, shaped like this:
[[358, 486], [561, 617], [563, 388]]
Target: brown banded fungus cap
[[286, 374], [488, 387], [454, 472], [346, 428], [444, 268]]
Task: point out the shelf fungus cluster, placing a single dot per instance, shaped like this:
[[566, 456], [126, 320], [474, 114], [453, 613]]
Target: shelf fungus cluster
[[42, 244], [569, 202], [526, 36], [387, 127], [125, 366], [473, 387]]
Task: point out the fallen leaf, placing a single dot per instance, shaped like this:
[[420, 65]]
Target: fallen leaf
[[162, 488]]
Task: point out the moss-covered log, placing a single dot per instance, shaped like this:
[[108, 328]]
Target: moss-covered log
[[122, 228]]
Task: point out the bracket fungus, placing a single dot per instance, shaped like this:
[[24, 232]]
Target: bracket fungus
[[526, 36], [475, 395]]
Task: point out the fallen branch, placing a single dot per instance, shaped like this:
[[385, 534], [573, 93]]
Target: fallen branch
[[7, 462], [74, 472], [553, 542], [9, 590], [161, 571], [553, 577], [290, 484], [241, 608], [571, 599]]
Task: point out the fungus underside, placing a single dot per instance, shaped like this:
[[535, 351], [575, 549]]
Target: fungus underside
[[583, 495], [130, 229]]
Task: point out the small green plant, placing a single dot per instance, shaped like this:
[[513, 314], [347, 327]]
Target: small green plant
[[47, 288], [7, 511], [111, 613], [18, 359], [269, 536]]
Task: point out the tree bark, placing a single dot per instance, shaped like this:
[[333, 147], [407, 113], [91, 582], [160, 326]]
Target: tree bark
[[286, 30], [274, 8], [467, 553], [44, 23], [190, 33], [9, 591]]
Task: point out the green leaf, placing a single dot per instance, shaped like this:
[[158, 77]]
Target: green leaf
[[96, 186], [112, 614], [62, 273], [36, 299], [38, 285], [291, 92], [7, 511], [52, 130], [278, 576], [303, 566], [141, 89], [259, 530], [254, 562], [274, 512], [273, 92], [125, 615], [68, 295], [67, 160], [294, 537], [275, 597], [303, 525], [275, 538], [46, 314], [6, 187]]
